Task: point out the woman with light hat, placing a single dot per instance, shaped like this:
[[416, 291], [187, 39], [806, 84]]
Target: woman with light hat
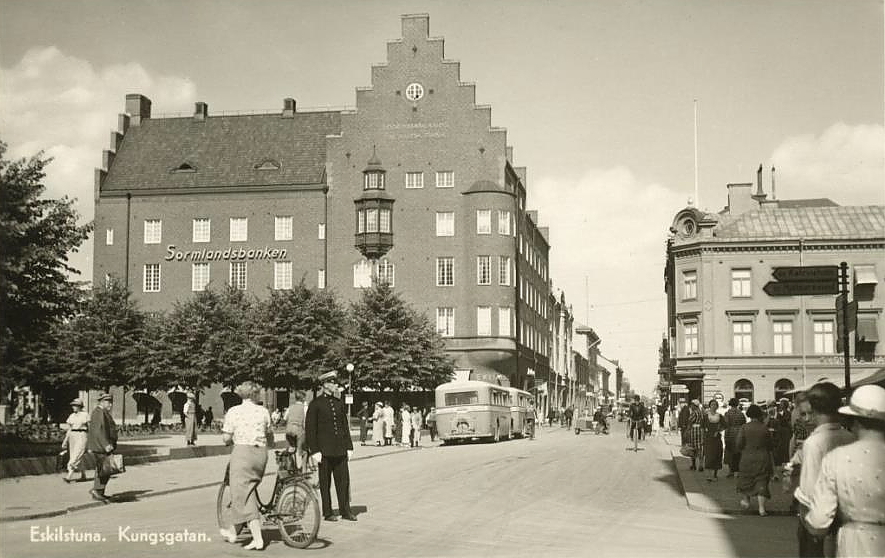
[[190, 419], [851, 481], [378, 424], [75, 439]]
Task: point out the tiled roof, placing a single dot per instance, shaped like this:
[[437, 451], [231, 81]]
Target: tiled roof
[[840, 222], [249, 150], [810, 202]]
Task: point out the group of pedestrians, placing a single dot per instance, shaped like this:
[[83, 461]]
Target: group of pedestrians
[[389, 427], [830, 456], [95, 433]]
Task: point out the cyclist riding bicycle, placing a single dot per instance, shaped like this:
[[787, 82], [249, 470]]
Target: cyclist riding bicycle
[[637, 414], [599, 417]]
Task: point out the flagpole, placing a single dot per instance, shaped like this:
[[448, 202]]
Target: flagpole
[[697, 200]]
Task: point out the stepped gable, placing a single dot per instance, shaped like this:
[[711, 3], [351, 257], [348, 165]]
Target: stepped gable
[[860, 222], [220, 151]]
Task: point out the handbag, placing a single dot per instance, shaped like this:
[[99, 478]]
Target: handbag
[[687, 450], [61, 460], [113, 465]]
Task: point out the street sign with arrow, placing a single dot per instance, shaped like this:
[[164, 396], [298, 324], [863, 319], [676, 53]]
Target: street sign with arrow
[[803, 280]]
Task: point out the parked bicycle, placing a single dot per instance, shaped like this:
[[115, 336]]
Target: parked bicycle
[[293, 505]]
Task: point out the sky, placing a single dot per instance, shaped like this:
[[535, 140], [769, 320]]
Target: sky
[[598, 99]]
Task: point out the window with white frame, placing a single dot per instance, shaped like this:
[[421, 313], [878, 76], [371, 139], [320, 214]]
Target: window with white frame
[[483, 321], [201, 230], [445, 223], [386, 272], [238, 275], [503, 222], [783, 337], [371, 220], [740, 283], [504, 318], [445, 179], [239, 229], [282, 227], [321, 278], [109, 237], [321, 231], [360, 222], [282, 276], [445, 321], [689, 285], [414, 180], [151, 280], [153, 231], [483, 221], [384, 220], [445, 271], [362, 275], [483, 270], [690, 338], [742, 337], [199, 276], [504, 270], [824, 337]]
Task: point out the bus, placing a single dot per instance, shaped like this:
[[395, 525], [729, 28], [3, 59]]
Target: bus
[[520, 401], [472, 410]]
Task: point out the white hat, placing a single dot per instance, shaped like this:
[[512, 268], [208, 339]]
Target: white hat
[[328, 376], [867, 402]]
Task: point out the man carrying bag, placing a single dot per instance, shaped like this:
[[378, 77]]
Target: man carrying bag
[[102, 443]]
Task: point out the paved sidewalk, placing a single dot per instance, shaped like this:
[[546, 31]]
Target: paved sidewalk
[[720, 496], [38, 496]]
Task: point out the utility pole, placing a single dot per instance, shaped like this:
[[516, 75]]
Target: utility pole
[[846, 352]]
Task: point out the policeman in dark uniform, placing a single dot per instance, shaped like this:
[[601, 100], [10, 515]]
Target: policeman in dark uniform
[[327, 439]]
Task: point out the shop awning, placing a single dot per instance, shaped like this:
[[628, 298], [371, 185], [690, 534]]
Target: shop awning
[[867, 330], [865, 275]]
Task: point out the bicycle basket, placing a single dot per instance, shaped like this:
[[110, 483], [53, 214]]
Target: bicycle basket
[[286, 461]]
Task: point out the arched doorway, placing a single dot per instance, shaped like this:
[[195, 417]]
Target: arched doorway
[[743, 389], [781, 387]]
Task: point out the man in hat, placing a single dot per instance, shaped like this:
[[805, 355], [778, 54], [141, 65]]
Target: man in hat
[[102, 443], [327, 439], [190, 419], [850, 480]]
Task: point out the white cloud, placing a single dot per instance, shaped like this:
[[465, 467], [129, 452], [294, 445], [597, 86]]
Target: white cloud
[[845, 163], [608, 232], [64, 106]]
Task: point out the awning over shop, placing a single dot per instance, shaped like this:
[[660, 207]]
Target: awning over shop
[[867, 329], [865, 275]]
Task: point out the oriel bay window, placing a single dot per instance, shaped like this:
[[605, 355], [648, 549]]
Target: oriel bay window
[[374, 213]]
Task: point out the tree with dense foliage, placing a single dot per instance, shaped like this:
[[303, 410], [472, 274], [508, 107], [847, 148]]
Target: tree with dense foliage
[[208, 339], [298, 338], [392, 346], [36, 236]]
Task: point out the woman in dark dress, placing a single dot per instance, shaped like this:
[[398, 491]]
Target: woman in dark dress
[[712, 424], [693, 433], [754, 445]]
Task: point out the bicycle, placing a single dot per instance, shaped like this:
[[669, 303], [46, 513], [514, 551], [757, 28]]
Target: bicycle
[[293, 506], [635, 432]]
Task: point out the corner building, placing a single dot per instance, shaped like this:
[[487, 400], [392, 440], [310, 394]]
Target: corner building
[[261, 201]]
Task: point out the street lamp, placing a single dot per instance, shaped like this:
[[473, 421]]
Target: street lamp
[[349, 396]]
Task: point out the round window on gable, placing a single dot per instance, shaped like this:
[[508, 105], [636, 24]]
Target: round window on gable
[[414, 91]]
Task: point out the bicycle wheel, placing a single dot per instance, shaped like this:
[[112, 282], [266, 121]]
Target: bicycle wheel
[[298, 515], [223, 506]]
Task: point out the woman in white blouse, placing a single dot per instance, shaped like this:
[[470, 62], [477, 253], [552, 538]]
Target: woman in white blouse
[[75, 439], [248, 427]]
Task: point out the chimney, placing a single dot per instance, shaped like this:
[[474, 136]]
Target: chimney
[[773, 196], [201, 111], [740, 199], [288, 107], [760, 195], [138, 107]]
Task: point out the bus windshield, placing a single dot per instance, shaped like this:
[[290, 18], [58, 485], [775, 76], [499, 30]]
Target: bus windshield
[[461, 398]]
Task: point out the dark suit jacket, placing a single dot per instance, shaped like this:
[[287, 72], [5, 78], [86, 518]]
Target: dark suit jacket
[[326, 427], [102, 431]]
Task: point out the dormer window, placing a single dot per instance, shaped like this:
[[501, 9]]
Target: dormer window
[[185, 167], [373, 181], [268, 165]]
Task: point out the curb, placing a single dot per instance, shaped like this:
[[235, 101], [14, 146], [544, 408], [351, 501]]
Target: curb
[[162, 492]]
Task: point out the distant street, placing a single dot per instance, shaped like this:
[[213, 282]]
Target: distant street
[[558, 495]]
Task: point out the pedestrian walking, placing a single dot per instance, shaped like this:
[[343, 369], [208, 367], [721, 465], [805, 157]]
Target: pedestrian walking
[[208, 417], [249, 429], [712, 424], [782, 430], [190, 419], [693, 435], [417, 426], [824, 399], [365, 416], [75, 440], [102, 442], [754, 444], [405, 416], [389, 423], [850, 481], [294, 418], [378, 424], [327, 438], [733, 419], [431, 423]]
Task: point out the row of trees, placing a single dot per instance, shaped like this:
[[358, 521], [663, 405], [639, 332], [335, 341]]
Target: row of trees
[[56, 333]]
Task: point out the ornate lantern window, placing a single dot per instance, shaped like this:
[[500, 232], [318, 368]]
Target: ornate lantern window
[[374, 213]]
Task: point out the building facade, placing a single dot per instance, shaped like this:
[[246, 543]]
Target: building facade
[[727, 336], [263, 201]]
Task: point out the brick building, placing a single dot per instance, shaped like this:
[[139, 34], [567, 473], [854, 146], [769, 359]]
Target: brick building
[[263, 200], [727, 336]]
